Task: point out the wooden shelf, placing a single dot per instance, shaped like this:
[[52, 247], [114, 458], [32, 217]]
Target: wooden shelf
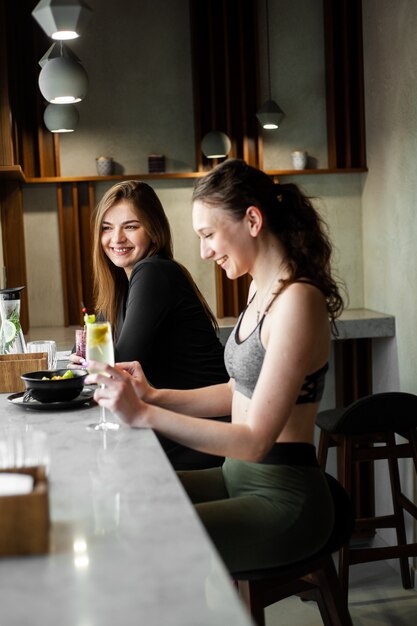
[[179, 175], [344, 170], [114, 177], [12, 172]]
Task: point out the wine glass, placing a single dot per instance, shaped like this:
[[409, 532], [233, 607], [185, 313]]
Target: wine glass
[[99, 347]]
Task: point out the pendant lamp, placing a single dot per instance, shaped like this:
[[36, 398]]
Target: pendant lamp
[[62, 19], [61, 118], [270, 114], [215, 144], [62, 80]]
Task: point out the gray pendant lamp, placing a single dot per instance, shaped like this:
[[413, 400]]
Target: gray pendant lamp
[[215, 144], [270, 114], [62, 80], [61, 118], [62, 19]]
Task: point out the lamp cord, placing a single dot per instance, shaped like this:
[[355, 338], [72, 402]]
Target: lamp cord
[[267, 48]]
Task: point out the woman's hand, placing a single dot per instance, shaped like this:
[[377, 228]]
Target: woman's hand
[[75, 362], [135, 371], [133, 368], [119, 392]]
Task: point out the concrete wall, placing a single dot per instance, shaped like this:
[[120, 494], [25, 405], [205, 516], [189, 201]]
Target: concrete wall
[[140, 101], [389, 200]]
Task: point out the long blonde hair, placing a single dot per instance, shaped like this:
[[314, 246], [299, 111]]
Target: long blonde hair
[[110, 282]]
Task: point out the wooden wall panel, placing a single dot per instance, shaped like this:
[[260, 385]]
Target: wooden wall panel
[[86, 203], [11, 209], [34, 147], [344, 83], [226, 88], [6, 143], [75, 204], [225, 75], [70, 246]]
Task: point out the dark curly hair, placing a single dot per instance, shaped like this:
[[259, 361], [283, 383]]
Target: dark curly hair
[[288, 213]]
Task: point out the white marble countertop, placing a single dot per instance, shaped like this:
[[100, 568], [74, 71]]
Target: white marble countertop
[[126, 545]]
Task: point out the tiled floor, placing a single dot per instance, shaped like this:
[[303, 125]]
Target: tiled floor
[[376, 598]]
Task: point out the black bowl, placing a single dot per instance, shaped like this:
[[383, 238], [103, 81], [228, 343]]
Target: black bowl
[[54, 390]]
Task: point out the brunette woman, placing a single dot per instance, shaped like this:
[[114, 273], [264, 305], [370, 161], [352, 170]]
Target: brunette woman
[[269, 504]]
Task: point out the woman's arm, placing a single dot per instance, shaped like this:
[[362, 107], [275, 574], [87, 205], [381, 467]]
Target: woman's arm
[[212, 401], [148, 303], [119, 395]]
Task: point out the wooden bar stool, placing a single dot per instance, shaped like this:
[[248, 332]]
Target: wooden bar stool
[[365, 431], [314, 578]]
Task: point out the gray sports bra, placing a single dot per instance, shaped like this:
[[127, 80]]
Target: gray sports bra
[[243, 360]]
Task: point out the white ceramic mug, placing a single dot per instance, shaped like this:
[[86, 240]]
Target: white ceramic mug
[[299, 159], [44, 345]]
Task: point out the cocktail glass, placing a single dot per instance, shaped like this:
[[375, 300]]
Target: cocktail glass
[[99, 347]]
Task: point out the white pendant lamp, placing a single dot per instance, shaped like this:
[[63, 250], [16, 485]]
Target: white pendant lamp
[[270, 114], [58, 49], [61, 118], [215, 144], [62, 80], [62, 19]]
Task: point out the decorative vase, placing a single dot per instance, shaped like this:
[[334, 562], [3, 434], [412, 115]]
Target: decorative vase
[[156, 163], [299, 159], [104, 165]]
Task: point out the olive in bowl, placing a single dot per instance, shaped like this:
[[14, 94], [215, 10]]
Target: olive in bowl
[[67, 385]]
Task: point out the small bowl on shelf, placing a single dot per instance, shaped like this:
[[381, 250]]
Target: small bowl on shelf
[[43, 389]]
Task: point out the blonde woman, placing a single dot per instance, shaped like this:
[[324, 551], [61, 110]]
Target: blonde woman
[[159, 316]]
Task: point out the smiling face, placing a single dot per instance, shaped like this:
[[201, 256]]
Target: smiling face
[[223, 239], [123, 237]]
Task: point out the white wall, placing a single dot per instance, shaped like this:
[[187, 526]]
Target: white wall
[[389, 200], [390, 192], [43, 264], [139, 100]]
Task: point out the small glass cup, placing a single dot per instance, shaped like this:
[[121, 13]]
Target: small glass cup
[[44, 345], [80, 342], [23, 448]]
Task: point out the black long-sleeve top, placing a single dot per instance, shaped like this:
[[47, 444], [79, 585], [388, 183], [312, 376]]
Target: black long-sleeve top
[[162, 324]]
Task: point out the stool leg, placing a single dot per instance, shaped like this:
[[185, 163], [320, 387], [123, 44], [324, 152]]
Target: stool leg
[[252, 601], [394, 475], [323, 449], [331, 599], [345, 478], [412, 437]]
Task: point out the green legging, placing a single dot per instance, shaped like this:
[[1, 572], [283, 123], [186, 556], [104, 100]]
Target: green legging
[[261, 515]]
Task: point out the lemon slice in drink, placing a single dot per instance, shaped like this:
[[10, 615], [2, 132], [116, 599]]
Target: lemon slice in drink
[[8, 330], [97, 335], [89, 319]]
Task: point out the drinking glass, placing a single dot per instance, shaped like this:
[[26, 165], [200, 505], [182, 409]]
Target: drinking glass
[[44, 345], [99, 347], [80, 340]]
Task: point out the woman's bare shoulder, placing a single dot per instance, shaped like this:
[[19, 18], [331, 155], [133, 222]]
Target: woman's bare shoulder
[[300, 308]]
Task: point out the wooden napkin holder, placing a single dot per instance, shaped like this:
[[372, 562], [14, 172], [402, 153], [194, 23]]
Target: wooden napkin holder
[[12, 366], [24, 519]]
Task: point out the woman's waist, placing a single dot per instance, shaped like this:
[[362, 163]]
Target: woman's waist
[[291, 453], [298, 428]]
